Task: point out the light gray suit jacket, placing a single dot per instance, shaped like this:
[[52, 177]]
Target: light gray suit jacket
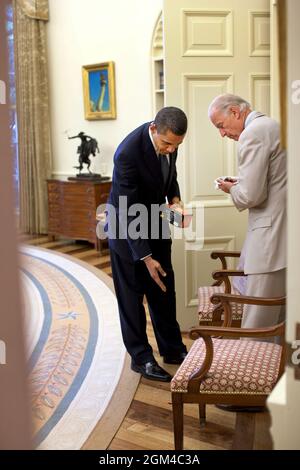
[[262, 190]]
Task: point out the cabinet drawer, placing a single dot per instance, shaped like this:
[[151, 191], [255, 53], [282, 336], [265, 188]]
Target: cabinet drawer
[[79, 217], [78, 202], [78, 189]]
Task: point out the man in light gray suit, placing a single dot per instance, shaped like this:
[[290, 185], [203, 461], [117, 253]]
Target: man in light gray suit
[[260, 188]]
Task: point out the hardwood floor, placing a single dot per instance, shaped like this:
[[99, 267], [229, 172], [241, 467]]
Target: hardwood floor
[[148, 423]]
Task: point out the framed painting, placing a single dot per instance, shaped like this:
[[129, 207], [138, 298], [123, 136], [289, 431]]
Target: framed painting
[[99, 91]]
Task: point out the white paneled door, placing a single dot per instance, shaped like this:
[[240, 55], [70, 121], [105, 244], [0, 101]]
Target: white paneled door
[[211, 47]]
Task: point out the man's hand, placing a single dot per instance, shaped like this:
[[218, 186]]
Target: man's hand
[[175, 203], [226, 185], [155, 270]]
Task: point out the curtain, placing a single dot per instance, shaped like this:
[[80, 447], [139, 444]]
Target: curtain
[[30, 18], [36, 9]]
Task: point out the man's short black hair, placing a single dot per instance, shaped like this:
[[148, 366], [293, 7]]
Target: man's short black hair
[[171, 119]]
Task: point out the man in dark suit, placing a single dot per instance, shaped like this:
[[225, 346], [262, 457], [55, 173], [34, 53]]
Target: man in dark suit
[[144, 175]]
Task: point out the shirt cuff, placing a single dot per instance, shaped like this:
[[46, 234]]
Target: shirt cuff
[[147, 256]]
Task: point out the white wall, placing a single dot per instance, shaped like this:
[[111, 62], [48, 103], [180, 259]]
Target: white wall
[[83, 32]]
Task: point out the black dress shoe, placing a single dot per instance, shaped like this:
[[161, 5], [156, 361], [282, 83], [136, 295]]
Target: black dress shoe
[[175, 359], [152, 371], [239, 408]]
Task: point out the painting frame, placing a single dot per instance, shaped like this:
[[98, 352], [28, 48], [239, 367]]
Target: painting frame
[[99, 91]]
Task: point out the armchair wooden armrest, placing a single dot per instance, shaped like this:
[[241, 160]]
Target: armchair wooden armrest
[[229, 332], [224, 254], [243, 299], [223, 276], [225, 299]]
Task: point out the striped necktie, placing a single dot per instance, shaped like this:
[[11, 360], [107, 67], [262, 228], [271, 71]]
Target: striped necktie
[[165, 168]]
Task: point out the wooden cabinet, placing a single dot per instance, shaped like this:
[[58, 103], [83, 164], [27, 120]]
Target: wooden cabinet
[[72, 208]]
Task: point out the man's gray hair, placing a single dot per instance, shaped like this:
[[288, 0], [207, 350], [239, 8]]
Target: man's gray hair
[[224, 102]]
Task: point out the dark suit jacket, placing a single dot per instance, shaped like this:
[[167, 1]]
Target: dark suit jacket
[[137, 175]]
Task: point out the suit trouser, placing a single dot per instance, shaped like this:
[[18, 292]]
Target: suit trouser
[[132, 281], [264, 285]]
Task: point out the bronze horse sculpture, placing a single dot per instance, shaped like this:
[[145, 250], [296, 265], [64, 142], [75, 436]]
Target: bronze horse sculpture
[[89, 146]]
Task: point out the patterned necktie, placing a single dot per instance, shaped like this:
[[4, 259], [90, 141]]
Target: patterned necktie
[[165, 168]]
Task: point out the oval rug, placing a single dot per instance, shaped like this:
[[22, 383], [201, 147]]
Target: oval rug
[[79, 375]]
